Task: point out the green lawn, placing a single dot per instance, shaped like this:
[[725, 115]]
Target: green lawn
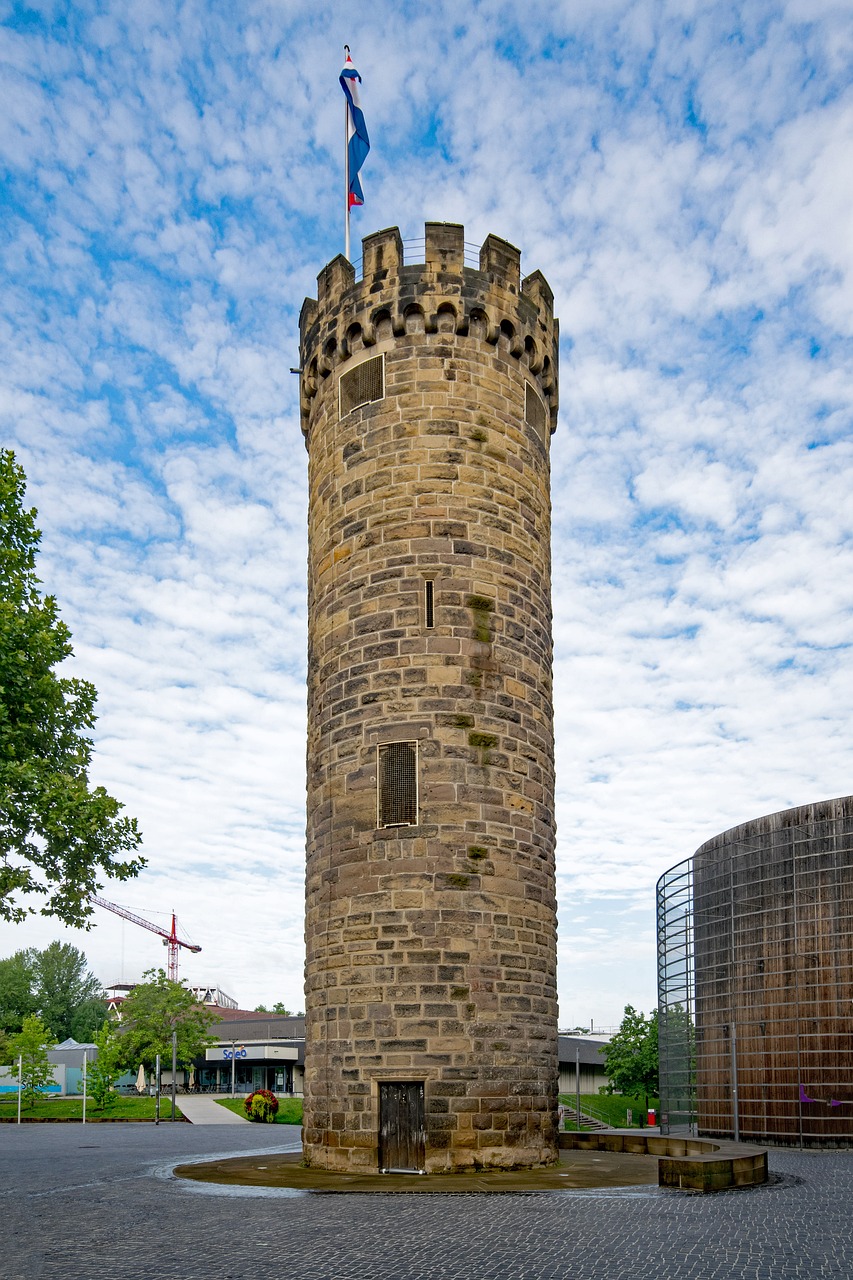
[[122, 1108], [611, 1107], [289, 1109]]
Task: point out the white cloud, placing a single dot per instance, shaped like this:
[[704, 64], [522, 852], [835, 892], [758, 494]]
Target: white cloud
[[680, 173]]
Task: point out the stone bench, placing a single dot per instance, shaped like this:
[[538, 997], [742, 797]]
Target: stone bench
[[688, 1164]]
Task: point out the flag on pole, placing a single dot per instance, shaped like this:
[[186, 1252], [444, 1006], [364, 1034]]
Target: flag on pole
[[358, 143]]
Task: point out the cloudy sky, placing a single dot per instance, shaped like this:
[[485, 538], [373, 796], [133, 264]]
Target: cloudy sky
[[680, 171]]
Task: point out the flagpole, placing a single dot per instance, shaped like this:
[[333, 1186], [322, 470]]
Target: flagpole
[[346, 169]]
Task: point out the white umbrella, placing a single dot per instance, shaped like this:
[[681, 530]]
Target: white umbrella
[[191, 1082], [140, 1079]]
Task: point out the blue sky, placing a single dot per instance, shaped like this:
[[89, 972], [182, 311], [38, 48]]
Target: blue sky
[[680, 171]]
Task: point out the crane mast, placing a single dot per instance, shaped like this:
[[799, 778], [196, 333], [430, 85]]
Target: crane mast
[[170, 937]]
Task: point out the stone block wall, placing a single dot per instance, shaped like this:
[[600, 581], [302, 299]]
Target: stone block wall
[[431, 947]]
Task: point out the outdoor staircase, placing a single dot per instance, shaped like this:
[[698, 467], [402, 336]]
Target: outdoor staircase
[[592, 1124], [589, 1123]]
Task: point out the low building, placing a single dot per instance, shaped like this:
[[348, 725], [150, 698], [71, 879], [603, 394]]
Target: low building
[[581, 1060], [253, 1051], [67, 1060]]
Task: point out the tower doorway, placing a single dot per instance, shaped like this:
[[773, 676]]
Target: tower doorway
[[401, 1126]]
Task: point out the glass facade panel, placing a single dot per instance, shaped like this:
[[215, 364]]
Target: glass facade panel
[[676, 1034]]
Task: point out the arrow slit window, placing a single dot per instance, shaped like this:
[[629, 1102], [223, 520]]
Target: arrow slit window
[[429, 603]]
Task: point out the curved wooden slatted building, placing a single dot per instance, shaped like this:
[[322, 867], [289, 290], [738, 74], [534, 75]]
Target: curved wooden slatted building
[[767, 966]]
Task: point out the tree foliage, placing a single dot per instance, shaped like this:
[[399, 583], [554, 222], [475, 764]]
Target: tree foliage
[[57, 985], [150, 1014], [31, 1045], [57, 833], [631, 1057], [17, 990], [87, 1018], [66, 991], [102, 1074]]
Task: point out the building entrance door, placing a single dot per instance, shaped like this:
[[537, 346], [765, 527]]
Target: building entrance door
[[401, 1126]]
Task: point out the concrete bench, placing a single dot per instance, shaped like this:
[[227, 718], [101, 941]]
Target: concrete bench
[[688, 1164]]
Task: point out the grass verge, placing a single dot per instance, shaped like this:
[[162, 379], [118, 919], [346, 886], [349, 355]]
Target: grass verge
[[289, 1109], [122, 1108], [612, 1108]]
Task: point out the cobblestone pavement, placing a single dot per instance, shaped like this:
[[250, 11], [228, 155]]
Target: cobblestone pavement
[[99, 1204]]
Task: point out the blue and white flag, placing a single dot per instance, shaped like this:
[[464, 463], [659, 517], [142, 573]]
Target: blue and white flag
[[358, 143]]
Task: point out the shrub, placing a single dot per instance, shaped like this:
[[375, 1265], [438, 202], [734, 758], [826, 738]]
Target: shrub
[[261, 1105]]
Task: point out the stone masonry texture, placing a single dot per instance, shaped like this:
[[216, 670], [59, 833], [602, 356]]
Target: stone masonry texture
[[431, 948]]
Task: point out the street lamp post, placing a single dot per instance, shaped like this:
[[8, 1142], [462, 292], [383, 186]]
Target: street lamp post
[[578, 1084], [234, 1055], [174, 1069]]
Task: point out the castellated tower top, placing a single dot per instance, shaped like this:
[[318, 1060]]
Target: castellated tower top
[[441, 294], [429, 395]]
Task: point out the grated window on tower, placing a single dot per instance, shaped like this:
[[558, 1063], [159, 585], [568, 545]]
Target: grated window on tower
[[362, 385], [397, 784], [535, 413], [429, 603]]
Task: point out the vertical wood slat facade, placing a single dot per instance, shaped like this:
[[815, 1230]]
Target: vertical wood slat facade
[[773, 938]]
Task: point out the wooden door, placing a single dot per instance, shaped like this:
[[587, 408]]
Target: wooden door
[[401, 1126]]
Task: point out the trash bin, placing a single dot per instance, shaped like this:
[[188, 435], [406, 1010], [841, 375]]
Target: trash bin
[[652, 1118]]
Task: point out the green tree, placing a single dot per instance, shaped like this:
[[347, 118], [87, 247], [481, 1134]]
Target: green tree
[[66, 990], [102, 1074], [31, 1045], [57, 833], [57, 985], [87, 1018], [17, 990], [278, 1008], [150, 1014], [631, 1057]]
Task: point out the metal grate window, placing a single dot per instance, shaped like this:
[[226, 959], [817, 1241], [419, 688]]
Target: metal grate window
[[397, 785], [535, 414], [362, 385]]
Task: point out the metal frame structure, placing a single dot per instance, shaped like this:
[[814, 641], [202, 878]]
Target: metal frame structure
[[676, 1000]]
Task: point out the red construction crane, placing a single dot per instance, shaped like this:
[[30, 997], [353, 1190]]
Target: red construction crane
[[170, 938]]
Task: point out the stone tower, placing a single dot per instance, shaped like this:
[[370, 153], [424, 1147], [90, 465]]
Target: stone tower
[[429, 395]]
